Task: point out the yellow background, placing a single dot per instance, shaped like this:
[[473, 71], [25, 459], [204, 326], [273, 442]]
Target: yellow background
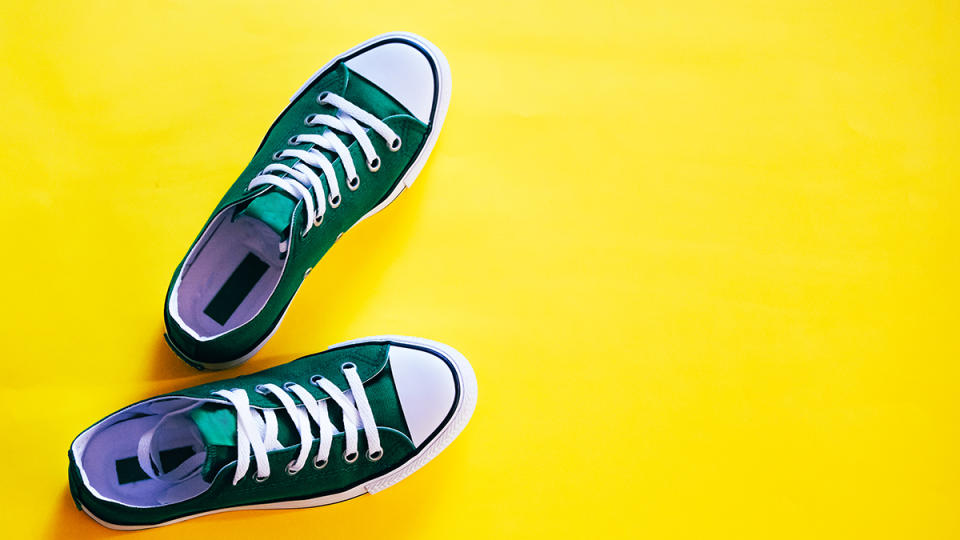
[[702, 256]]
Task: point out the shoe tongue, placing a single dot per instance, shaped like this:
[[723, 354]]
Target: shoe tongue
[[273, 208], [217, 425], [218, 430]]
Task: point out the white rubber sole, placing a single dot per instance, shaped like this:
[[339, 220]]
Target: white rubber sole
[[444, 88], [461, 415]]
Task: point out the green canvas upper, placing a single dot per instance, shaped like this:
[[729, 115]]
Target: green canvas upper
[[218, 426], [218, 423], [287, 216]]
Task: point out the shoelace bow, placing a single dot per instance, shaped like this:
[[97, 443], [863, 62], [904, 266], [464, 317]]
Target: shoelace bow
[[301, 175], [250, 421]]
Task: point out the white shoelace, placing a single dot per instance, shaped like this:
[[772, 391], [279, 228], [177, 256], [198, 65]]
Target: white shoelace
[[149, 455], [257, 428], [301, 175]]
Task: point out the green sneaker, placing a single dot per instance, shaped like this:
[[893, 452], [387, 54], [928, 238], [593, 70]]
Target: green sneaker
[[350, 141], [354, 419]]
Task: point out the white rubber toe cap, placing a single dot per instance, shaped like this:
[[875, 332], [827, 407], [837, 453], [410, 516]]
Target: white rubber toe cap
[[402, 70], [426, 388]]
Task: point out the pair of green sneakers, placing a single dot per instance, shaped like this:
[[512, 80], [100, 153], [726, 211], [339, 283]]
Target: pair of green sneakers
[[353, 419]]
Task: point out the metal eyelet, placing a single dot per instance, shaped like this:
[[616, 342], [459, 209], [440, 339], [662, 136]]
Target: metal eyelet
[[309, 120], [395, 145], [374, 164], [375, 456], [290, 469], [315, 380], [322, 96], [351, 457], [347, 365], [319, 464], [294, 141], [260, 480], [287, 385], [261, 389], [353, 183], [277, 156], [334, 201]]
